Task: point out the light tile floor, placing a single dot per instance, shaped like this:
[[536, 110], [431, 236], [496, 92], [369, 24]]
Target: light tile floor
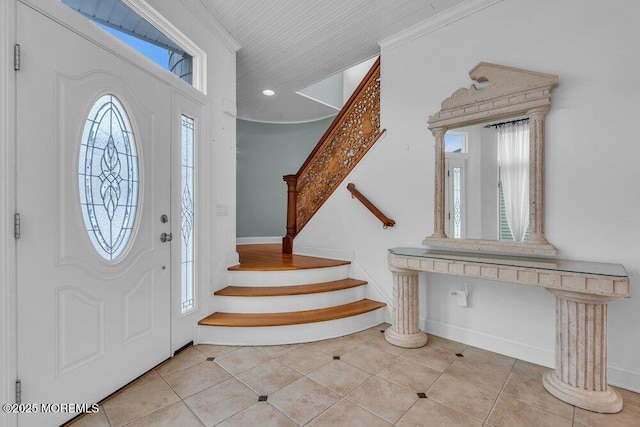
[[356, 380]]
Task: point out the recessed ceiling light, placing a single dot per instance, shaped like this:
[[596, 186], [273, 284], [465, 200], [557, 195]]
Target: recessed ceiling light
[[268, 92]]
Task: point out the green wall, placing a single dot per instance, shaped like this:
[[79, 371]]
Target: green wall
[[266, 152]]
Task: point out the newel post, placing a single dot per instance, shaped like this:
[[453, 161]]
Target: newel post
[[292, 196]]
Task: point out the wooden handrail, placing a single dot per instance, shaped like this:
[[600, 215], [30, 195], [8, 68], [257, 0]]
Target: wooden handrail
[[352, 133], [386, 221]]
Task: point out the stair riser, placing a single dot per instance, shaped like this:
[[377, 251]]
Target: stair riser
[[289, 334], [288, 277], [278, 304]]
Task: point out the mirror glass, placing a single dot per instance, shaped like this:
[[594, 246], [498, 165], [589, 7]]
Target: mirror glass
[[486, 193]]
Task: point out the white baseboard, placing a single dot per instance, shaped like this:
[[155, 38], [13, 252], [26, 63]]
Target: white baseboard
[[258, 240], [623, 378], [519, 350], [617, 377]]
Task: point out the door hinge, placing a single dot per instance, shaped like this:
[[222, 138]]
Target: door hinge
[[16, 226], [448, 172], [16, 57], [18, 392]]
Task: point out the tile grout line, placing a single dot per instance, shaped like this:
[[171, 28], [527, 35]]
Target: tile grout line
[[573, 407], [235, 377], [180, 397], [341, 397], [371, 375], [182, 400], [380, 378], [310, 379], [447, 406], [486, 419], [369, 343], [400, 356], [151, 413], [344, 398]]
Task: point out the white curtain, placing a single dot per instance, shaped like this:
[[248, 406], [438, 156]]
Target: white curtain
[[513, 161]]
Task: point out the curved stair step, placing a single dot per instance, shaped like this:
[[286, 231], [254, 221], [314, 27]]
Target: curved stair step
[[272, 291], [293, 317], [269, 257]]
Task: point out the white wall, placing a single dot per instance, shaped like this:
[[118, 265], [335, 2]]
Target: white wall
[[352, 77], [592, 173]]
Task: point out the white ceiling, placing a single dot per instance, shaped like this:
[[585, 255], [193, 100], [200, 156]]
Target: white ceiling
[[290, 44]]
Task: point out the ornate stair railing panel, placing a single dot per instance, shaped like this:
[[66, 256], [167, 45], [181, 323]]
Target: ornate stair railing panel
[[352, 133]]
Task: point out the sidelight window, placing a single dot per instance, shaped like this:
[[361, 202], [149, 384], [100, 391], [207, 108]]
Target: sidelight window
[[455, 143], [186, 217]]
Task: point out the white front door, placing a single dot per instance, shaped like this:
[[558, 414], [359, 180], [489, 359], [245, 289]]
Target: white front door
[[93, 298]]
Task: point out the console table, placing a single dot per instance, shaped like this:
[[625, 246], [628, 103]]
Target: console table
[[582, 291]]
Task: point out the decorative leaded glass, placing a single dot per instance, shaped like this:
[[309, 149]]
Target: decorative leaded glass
[[457, 202], [108, 177], [186, 217]]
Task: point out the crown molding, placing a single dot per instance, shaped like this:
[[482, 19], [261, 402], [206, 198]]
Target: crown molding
[[436, 22], [205, 16]]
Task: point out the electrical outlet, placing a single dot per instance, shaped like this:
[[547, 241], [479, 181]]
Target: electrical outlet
[[462, 297]]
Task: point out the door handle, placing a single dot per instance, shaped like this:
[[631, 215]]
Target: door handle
[[164, 237]]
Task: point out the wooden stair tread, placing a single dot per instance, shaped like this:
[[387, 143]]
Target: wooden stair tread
[[269, 257], [272, 291], [291, 318]]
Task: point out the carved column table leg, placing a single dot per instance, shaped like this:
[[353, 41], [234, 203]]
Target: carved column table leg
[[580, 377], [405, 331]]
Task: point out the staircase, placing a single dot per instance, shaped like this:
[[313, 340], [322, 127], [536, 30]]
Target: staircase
[[350, 136], [275, 298]]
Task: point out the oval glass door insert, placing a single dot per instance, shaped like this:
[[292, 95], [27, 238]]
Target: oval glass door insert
[[108, 177]]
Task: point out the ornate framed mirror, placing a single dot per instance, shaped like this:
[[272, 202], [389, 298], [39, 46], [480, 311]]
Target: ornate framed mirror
[[505, 94]]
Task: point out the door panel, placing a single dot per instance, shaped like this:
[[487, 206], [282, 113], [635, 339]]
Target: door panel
[[86, 325]]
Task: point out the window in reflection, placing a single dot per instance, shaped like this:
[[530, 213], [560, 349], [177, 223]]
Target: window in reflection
[[455, 183], [455, 142]]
